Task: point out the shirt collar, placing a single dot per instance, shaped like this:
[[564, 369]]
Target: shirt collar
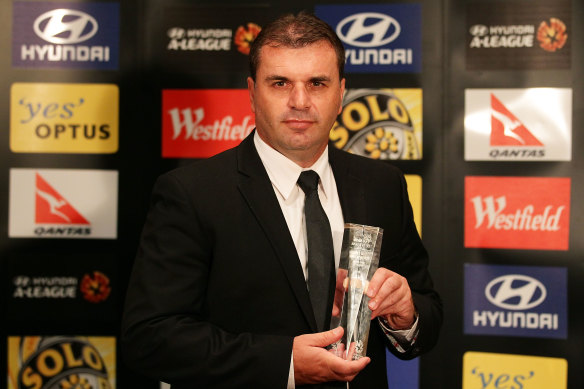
[[284, 173]]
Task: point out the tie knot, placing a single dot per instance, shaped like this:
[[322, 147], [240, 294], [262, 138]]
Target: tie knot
[[308, 181]]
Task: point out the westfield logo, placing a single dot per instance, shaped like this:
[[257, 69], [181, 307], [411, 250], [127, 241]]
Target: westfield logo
[[65, 26], [517, 212], [190, 123], [515, 292], [368, 29], [490, 212]]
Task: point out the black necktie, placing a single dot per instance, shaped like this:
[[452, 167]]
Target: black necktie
[[321, 262]]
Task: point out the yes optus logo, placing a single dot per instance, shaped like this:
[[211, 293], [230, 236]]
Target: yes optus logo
[[64, 118], [509, 371], [517, 212]]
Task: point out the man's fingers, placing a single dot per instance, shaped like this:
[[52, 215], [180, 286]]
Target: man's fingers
[[377, 281], [323, 339], [347, 370]]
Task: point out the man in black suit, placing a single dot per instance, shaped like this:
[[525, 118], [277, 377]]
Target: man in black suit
[[218, 295]]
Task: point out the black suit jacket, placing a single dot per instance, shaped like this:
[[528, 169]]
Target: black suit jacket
[[217, 293]]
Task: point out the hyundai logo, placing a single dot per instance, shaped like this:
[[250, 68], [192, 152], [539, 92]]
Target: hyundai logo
[[479, 30], [65, 26], [176, 33], [368, 29], [515, 291]]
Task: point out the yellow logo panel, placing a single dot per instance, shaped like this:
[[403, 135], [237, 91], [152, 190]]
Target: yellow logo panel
[[48, 362], [381, 124], [64, 118], [494, 371], [415, 193]]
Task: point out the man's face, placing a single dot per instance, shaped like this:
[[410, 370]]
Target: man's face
[[296, 98]]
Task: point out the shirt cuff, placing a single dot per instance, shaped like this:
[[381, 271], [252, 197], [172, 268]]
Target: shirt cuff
[[402, 340], [291, 383]]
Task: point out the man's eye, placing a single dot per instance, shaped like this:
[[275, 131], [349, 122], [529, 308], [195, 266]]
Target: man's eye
[[280, 83]]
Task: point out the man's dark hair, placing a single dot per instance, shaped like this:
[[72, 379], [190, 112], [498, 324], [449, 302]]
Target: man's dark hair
[[295, 31]]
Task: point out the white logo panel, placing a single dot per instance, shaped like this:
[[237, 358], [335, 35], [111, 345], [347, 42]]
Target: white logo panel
[[532, 124], [63, 203]]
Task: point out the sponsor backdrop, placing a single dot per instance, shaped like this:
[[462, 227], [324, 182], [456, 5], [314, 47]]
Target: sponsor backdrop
[[479, 102]]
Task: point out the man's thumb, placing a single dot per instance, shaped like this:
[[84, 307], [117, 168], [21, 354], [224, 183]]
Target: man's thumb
[[323, 339]]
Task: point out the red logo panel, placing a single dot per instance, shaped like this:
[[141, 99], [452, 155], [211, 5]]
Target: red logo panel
[[201, 123], [517, 212]]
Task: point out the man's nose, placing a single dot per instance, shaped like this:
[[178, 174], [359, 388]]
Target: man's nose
[[299, 98]]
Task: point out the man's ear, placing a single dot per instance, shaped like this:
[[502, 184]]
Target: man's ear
[[251, 90]]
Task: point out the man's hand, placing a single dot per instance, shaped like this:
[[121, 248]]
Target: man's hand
[[391, 298], [314, 364]]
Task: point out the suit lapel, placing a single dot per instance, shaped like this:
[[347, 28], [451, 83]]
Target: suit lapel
[[256, 188], [349, 187]]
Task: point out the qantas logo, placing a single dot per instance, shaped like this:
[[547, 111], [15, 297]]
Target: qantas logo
[[506, 129], [52, 208]]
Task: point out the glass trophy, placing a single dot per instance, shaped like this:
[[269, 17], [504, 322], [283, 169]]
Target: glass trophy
[[359, 261]]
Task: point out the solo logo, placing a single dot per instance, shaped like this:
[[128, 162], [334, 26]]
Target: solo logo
[[66, 35], [64, 118], [517, 212], [202, 123], [380, 123], [515, 300], [509, 371], [377, 38], [63, 203], [530, 124], [36, 362]]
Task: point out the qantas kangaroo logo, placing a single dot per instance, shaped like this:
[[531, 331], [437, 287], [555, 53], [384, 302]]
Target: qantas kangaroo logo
[[506, 129], [52, 208]]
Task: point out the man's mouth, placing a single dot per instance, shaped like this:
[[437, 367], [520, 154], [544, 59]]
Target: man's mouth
[[298, 124]]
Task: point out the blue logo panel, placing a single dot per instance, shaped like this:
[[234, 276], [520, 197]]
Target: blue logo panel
[[515, 301], [378, 38], [402, 374], [66, 35]]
